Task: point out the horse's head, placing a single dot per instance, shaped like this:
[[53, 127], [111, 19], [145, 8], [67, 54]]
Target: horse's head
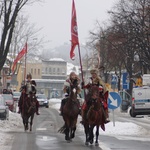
[[94, 97], [74, 89], [94, 92]]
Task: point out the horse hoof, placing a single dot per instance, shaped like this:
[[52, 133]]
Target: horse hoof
[[96, 144], [86, 143], [67, 139], [72, 136], [91, 141]]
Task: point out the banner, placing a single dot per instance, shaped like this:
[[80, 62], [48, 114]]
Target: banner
[[74, 31], [20, 55]]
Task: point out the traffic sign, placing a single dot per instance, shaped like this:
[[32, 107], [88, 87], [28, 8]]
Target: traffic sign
[[125, 80], [114, 100]]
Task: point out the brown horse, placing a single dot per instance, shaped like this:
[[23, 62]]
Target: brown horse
[[94, 115], [28, 110], [70, 113]]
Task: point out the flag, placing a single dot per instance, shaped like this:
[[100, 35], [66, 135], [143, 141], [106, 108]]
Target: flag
[[20, 55], [74, 31]]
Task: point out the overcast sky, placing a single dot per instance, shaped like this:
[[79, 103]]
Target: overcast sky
[[54, 16]]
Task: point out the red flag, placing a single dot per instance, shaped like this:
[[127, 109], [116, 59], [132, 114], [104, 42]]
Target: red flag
[[74, 31], [20, 55]]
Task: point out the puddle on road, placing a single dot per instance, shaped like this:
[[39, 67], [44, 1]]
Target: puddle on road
[[47, 142]]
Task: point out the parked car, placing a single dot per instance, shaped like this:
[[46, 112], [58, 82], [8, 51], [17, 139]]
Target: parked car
[[9, 102], [42, 99], [4, 110], [126, 100], [16, 96]]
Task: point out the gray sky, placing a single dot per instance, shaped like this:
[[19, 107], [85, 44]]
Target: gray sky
[[54, 16]]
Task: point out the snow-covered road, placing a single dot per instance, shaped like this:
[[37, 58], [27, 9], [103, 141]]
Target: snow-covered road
[[15, 122]]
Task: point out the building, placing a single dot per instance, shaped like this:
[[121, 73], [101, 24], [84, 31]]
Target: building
[[49, 75]]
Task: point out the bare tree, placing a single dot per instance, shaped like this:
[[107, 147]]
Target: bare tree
[[8, 16], [24, 32], [127, 35]]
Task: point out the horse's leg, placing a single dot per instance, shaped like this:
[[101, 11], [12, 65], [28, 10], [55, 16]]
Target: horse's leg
[[67, 134], [31, 121], [97, 134], [66, 129], [86, 130], [73, 132], [73, 128], [91, 135], [24, 123]]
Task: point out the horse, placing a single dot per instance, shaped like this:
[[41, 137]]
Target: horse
[[70, 113], [28, 110], [94, 115]]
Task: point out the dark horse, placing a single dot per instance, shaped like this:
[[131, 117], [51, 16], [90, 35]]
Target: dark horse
[[70, 113], [94, 115], [28, 109]]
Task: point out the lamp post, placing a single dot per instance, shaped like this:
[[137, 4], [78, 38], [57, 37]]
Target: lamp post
[[4, 75]]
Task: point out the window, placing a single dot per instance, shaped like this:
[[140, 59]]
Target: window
[[31, 71], [35, 71], [54, 70], [38, 71], [45, 70], [50, 70], [58, 70]]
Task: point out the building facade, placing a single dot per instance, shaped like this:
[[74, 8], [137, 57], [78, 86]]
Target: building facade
[[49, 75]]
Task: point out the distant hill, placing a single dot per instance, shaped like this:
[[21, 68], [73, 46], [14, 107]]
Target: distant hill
[[63, 52]]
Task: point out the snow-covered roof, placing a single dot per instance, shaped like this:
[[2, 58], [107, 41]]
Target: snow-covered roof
[[56, 59]]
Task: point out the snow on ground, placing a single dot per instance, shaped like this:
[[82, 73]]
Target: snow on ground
[[15, 122], [112, 128]]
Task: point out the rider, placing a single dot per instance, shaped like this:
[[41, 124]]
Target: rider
[[26, 90], [95, 80], [68, 82]]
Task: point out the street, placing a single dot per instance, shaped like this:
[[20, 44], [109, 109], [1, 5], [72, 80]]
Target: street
[[45, 136]]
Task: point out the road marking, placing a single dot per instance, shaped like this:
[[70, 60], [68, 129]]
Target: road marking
[[41, 129], [132, 138]]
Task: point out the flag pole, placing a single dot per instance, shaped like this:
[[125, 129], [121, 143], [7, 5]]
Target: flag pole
[[75, 40], [81, 70], [25, 64]]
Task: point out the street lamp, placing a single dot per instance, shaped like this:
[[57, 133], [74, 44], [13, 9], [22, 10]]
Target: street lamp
[[4, 75]]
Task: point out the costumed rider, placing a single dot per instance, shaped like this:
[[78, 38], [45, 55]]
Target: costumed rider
[[66, 89], [29, 89], [95, 80]]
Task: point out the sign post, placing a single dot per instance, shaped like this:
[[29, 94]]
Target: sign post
[[114, 101]]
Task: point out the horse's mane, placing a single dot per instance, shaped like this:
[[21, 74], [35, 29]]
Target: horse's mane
[[75, 83]]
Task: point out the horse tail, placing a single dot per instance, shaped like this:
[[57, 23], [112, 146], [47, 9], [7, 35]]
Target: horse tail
[[62, 129]]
